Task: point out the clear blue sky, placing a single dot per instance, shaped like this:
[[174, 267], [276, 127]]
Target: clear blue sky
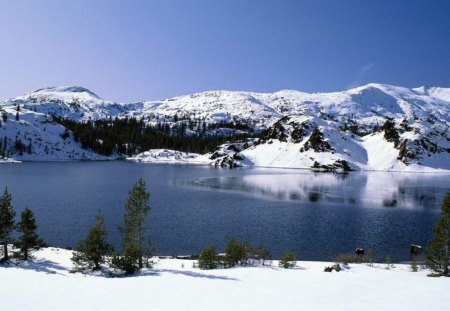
[[134, 50]]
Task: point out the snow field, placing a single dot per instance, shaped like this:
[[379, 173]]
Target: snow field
[[48, 285]]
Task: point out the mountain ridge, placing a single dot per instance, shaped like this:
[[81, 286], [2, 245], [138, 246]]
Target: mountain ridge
[[412, 122]]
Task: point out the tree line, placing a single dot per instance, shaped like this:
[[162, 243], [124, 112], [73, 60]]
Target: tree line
[[241, 253], [129, 136], [9, 147]]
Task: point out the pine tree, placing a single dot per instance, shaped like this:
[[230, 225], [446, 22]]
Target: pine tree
[[7, 224], [437, 258], [127, 261], [236, 252], [414, 266], [29, 239], [90, 253], [135, 245], [370, 256], [17, 113], [288, 260], [208, 258], [388, 261]]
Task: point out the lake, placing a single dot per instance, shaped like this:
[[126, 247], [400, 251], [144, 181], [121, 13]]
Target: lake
[[316, 215]]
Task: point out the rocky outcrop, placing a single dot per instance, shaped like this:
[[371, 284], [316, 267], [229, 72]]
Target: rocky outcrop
[[317, 142], [340, 166], [229, 154], [287, 129], [390, 132], [406, 128], [231, 161]]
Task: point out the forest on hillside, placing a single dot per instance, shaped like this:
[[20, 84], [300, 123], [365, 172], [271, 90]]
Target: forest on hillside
[[130, 136]]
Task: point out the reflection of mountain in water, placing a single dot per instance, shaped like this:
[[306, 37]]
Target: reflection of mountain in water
[[365, 189]]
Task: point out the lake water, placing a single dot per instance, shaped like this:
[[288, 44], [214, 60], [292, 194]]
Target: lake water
[[316, 215]]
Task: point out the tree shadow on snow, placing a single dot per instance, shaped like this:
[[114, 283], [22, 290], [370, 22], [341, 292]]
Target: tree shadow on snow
[[186, 273], [41, 265], [199, 275]]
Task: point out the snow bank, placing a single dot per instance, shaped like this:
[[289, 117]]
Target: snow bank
[[48, 285], [170, 156], [370, 153], [8, 160]]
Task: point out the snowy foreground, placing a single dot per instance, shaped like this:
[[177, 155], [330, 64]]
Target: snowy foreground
[[48, 285]]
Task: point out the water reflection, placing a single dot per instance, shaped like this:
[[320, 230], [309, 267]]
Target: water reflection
[[372, 189], [315, 215]]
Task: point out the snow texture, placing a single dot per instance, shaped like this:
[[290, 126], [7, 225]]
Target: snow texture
[[372, 127], [169, 156], [173, 284]]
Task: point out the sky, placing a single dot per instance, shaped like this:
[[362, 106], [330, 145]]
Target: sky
[[141, 50]]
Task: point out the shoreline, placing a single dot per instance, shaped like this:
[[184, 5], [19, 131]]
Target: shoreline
[[174, 162]]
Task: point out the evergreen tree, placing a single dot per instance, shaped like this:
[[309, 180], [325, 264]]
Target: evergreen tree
[[135, 245], [388, 261], [29, 239], [208, 258], [370, 256], [287, 260], [29, 148], [127, 261], [91, 252], [414, 266], [437, 258], [7, 224], [17, 113], [128, 135], [236, 252]]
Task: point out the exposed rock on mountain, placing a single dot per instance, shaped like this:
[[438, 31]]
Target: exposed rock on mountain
[[373, 127]]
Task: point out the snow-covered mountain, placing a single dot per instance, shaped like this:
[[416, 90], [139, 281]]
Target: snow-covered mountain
[[373, 127]]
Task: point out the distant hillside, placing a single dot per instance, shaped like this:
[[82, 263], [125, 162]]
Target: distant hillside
[[373, 127]]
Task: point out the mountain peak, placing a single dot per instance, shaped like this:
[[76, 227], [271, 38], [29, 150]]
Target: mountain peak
[[66, 89]]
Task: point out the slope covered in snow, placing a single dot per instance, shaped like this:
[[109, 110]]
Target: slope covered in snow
[[372, 127], [29, 135], [173, 284], [325, 145]]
